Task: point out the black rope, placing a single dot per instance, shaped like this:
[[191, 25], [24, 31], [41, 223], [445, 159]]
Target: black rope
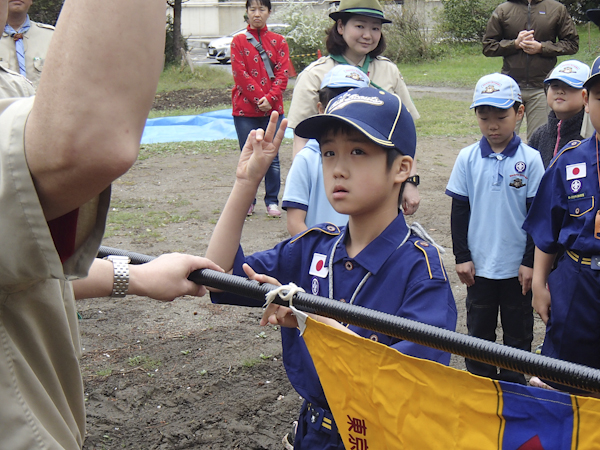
[[562, 372]]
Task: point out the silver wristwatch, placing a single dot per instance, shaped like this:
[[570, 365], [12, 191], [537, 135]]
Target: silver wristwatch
[[121, 275]]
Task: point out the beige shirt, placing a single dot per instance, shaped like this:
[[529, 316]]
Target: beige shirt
[[383, 72], [13, 84], [36, 41], [41, 391]]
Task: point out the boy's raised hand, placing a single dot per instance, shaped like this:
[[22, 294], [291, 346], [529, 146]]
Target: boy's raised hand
[[260, 149]]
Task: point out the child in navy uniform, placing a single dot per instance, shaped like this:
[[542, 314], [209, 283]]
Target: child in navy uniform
[[368, 141], [565, 100], [491, 185], [565, 214]]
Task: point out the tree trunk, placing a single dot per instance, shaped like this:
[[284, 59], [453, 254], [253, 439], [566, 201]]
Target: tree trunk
[[177, 28]]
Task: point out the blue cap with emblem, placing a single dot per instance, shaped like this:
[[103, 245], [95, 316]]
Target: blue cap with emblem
[[571, 72], [498, 90], [379, 115]]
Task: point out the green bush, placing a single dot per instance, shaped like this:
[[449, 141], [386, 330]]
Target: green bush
[[407, 38], [466, 19], [577, 8], [307, 31]]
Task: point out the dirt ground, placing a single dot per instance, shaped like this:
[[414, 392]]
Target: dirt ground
[[193, 375]]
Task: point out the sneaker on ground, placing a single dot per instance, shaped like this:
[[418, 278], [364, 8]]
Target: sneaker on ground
[[273, 211], [288, 439], [250, 210]]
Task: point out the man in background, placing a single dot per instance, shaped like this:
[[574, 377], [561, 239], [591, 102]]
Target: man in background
[[529, 35], [24, 43]]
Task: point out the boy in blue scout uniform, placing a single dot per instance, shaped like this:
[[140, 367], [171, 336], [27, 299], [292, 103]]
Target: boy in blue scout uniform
[[368, 142], [565, 214], [492, 184]]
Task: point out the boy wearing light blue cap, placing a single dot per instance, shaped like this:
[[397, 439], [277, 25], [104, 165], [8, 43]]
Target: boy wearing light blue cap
[[492, 185], [368, 142], [304, 197], [564, 94]]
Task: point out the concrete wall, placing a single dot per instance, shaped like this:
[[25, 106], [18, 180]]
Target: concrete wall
[[206, 19]]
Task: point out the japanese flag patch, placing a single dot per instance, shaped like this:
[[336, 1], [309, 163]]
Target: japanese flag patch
[[575, 171], [317, 266]]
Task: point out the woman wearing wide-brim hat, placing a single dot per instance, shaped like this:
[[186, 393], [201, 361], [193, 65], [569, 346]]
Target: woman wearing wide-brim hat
[[356, 38]]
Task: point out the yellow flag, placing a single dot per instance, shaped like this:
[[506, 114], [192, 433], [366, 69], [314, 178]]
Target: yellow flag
[[382, 399]]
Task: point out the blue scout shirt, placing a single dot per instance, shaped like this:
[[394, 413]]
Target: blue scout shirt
[[407, 280], [498, 187], [564, 210], [305, 190]]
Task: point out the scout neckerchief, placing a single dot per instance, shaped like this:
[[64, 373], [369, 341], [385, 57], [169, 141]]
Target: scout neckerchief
[[18, 38], [364, 68], [266, 61], [365, 278]]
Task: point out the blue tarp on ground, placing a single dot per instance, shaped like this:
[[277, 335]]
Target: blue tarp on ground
[[210, 126]]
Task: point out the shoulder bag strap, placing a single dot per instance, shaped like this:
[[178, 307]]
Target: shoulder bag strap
[[267, 62]]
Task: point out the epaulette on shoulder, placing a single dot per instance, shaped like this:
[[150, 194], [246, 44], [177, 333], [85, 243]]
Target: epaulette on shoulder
[[569, 146], [326, 228], [433, 258], [318, 62], [45, 25], [383, 58]]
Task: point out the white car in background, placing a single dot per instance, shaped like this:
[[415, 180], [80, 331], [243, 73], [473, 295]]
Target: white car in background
[[220, 48]]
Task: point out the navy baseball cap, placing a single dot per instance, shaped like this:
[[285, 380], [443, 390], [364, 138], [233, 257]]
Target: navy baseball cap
[[594, 15], [498, 90], [594, 73], [377, 114], [571, 72]]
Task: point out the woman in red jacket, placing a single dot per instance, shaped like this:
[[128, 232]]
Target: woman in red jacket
[[260, 79]]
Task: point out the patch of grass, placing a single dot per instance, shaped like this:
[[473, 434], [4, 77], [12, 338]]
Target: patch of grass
[[185, 112], [441, 117], [144, 361], [249, 363], [188, 148], [104, 372], [143, 219], [461, 65], [174, 78]]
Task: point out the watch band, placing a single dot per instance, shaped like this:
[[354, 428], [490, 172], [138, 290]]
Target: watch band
[[415, 179], [121, 275]]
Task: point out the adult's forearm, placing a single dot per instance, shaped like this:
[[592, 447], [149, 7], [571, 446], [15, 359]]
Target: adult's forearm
[[99, 81]]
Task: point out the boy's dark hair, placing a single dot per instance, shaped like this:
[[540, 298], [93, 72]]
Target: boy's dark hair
[[327, 93], [336, 45], [266, 3], [339, 127], [486, 108]]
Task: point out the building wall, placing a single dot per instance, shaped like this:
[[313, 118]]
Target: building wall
[[209, 18]]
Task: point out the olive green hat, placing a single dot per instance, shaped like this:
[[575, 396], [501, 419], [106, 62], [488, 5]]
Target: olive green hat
[[369, 8]]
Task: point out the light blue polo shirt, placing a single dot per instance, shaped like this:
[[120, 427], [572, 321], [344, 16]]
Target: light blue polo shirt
[[304, 188], [498, 187]]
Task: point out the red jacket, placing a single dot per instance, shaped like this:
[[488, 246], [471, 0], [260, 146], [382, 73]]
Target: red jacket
[[252, 81]]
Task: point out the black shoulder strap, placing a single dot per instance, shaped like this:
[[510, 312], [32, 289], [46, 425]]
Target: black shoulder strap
[[267, 62]]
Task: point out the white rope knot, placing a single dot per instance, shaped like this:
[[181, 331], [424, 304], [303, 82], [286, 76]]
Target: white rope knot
[[291, 289]]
